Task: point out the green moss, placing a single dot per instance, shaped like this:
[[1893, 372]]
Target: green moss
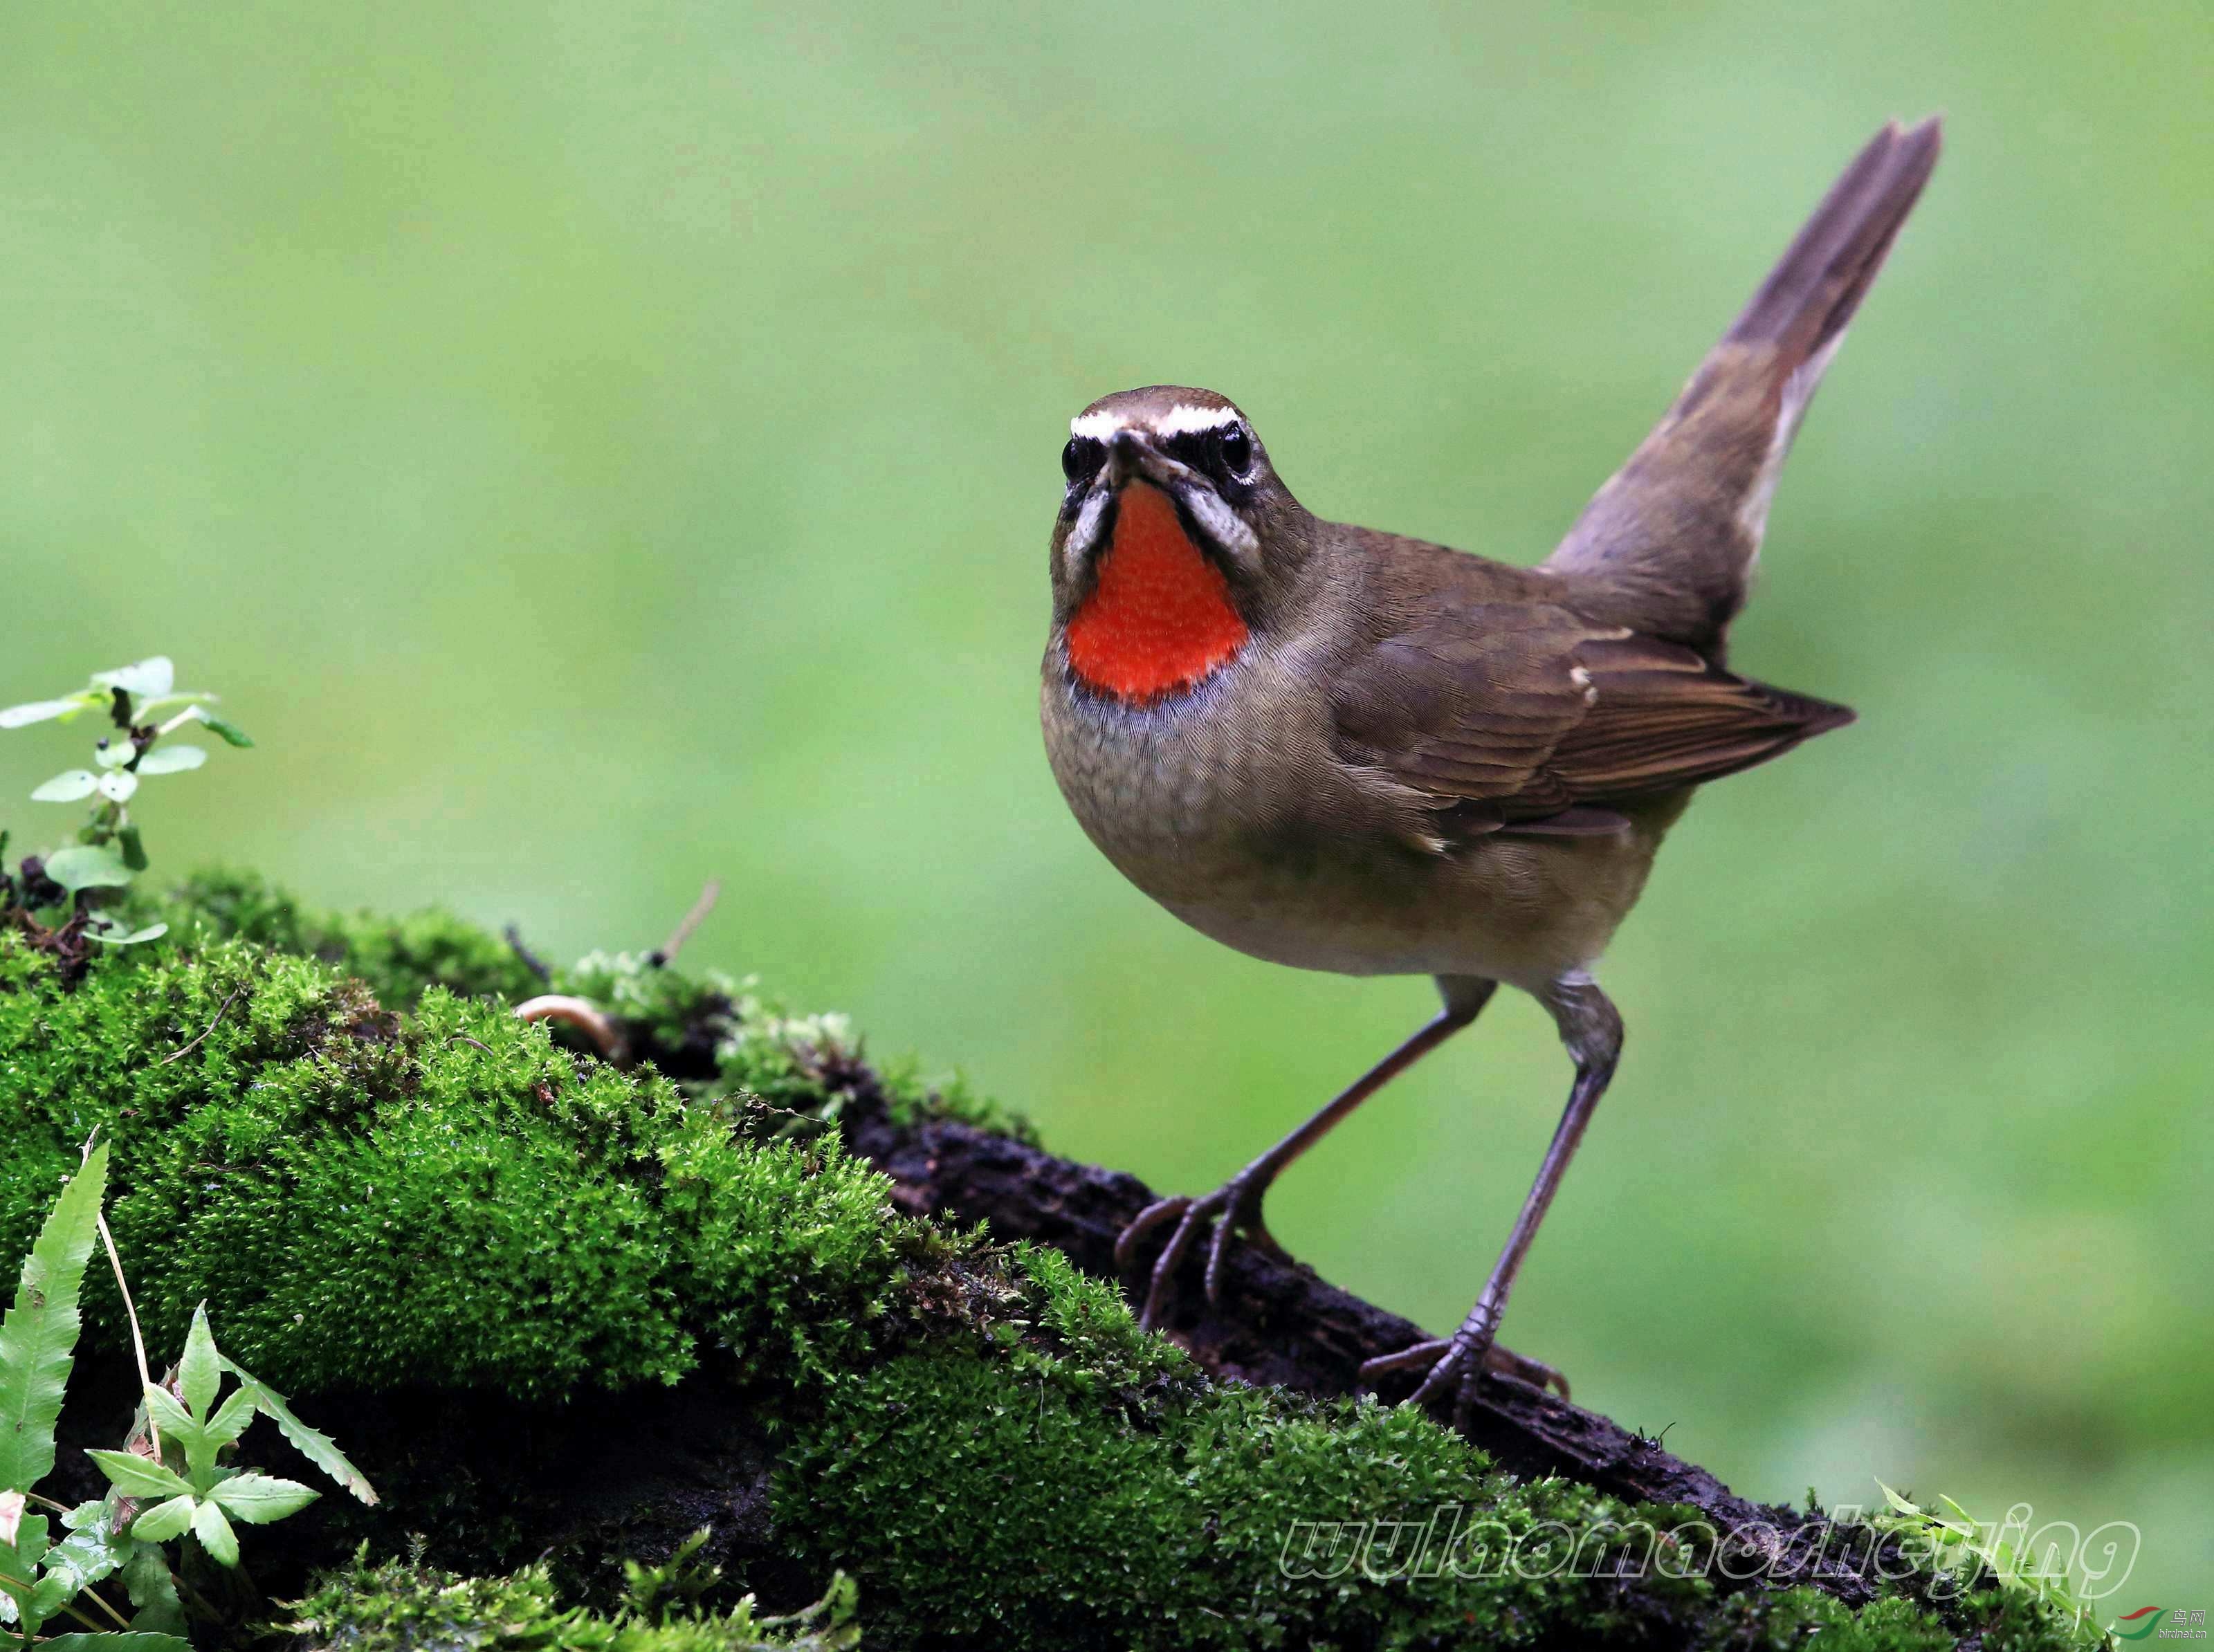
[[1082, 1483], [398, 958], [777, 1073], [409, 1607], [451, 1201], [1098, 1491], [444, 1197], [720, 1039]]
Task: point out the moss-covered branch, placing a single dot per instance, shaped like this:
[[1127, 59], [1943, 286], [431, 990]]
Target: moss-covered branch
[[558, 1309]]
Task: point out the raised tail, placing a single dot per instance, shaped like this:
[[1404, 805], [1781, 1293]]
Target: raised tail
[[1667, 545]]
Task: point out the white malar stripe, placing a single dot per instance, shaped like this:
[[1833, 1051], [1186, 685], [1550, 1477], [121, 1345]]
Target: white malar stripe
[[1221, 524], [1077, 548]]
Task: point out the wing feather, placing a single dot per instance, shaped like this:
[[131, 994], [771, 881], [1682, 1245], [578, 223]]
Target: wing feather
[[1506, 714]]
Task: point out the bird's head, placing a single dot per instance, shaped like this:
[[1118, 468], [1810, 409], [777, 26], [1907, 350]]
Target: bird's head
[[1175, 540]]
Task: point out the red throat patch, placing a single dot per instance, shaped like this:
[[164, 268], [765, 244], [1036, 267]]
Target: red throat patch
[[1159, 617]]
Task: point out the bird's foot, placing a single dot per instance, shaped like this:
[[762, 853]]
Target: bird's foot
[[1457, 1363], [1234, 1207]]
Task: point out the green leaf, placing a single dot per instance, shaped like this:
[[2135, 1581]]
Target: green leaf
[[151, 931], [118, 784], [118, 1640], [114, 754], [258, 1499], [151, 677], [1896, 1500], [172, 760], [1959, 1514], [179, 1428], [67, 786], [47, 711], [30, 1545], [151, 709], [169, 1414], [139, 1476], [146, 1580], [134, 848], [215, 1534], [51, 1594], [165, 1520], [311, 1443], [87, 866], [91, 1552], [40, 1328], [231, 1419], [200, 1373], [227, 730]]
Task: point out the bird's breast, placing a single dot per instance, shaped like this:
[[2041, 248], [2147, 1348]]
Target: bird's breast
[[1158, 619], [1227, 805]]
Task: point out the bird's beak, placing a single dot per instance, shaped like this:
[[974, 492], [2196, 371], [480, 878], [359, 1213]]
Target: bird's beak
[[1131, 456]]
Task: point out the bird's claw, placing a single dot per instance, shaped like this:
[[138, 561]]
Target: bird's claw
[[1540, 1375], [1234, 1206], [1457, 1364], [1455, 1375]]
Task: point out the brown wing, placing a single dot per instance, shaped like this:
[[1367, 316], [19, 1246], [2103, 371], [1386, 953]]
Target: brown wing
[[1527, 717]]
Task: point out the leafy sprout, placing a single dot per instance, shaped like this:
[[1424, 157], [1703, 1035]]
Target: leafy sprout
[[1960, 1548], [144, 708], [177, 1481], [188, 1490]]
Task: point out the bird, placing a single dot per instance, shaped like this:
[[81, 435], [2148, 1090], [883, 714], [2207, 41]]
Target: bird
[[1342, 749]]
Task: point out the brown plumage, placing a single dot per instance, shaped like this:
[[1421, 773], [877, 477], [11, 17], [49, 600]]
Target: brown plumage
[[1344, 750]]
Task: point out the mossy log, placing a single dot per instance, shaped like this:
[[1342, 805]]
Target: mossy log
[[566, 1312], [1281, 1324]]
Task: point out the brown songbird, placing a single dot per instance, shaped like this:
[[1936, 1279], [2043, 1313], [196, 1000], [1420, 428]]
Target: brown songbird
[[1342, 749]]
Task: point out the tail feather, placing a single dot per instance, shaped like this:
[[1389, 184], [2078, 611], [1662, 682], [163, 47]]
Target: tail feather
[[1809, 297], [1667, 544]]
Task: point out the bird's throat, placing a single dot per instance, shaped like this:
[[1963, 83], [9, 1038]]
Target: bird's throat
[[1158, 619]]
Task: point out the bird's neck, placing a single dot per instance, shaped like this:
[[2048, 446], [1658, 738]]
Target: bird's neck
[[1158, 619]]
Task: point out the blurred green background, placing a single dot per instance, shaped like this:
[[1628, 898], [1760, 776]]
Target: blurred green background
[[596, 447]]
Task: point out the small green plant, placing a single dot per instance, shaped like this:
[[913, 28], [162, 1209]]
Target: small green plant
[[146, 707], [1959, 1548], [673, 1585], [172, 1480], [404, 1606], [668, 1597], [188, 1489]]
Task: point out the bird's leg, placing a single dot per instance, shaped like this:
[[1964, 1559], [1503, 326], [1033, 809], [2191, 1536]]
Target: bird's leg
[[1592, 1032], [1237, 1203]]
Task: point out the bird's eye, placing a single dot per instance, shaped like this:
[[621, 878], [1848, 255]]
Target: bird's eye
[[1080, 460], [1237, 450]]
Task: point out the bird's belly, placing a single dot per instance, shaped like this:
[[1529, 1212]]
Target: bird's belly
[[1522, 910], [1287, 861]]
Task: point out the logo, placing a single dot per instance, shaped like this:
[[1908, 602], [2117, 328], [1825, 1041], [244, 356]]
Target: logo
[[2178, 1625]]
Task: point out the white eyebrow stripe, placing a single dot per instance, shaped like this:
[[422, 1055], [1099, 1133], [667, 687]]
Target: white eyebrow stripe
[[1183, 419]]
